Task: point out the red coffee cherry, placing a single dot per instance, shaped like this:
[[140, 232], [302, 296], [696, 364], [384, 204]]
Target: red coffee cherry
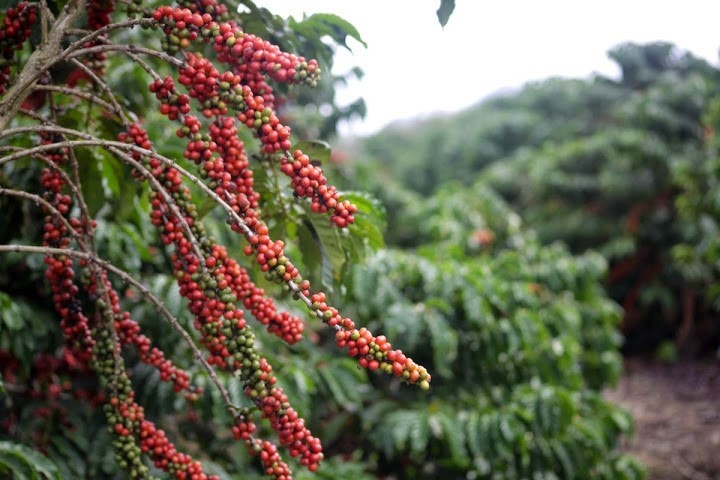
[[15, 29]]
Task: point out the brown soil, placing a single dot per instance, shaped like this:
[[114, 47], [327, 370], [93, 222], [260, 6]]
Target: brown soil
[[677, 417]]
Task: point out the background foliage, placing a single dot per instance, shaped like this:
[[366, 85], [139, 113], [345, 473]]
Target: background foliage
[[626, 167]]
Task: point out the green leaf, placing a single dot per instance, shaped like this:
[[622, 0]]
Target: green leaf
[[444, 340], [474, 435], [214, 468], [342, 383], [18, 466], [370, 222], [622, 420], [72, 459], [333, 25], [205, 205], [453, 433], [10, 313], [91, 180], [399, 425], [445, 10], [112, 172], [328, 242], [26, 462], [312, 255], [563, 458], [317, 150], [419, 435]]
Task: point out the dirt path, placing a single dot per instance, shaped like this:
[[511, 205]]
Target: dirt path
[[677, 417]]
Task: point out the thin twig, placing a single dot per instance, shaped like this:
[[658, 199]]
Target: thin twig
[[116, 148], [144, 65], [119, 147], [38, 200], [111, 47], [104, 87], [101, 31], [68, 181], [75, 93], [46, 17]]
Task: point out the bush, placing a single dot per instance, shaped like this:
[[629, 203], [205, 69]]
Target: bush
[[520, 337]]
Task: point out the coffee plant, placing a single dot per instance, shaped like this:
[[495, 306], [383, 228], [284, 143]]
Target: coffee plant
[[110, 193], [521, 338]]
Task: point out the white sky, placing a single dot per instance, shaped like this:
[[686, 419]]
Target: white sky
[[413, 67]]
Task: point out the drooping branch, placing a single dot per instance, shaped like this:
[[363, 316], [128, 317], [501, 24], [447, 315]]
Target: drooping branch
[[38, 200], [126, 277], [118, 148]]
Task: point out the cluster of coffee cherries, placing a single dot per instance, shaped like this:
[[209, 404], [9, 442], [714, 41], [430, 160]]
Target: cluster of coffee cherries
[[51, 378], [222, 159], [134, 434], [205, 282], [60, 272], [271, 460], [183, 26], [228, 274], [238, 50], [281, 323], [372, 352], [15, 29], [229, 171], [218, 10], [171, 104], [98, 16], [129, 333], [214, 284], [308, 181], [98, 13], [96, 346], [274, 136], [215, 93], [249, 56]]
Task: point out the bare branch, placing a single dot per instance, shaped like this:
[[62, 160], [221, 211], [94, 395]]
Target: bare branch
[[46, 17], [111, 47], [76, 93], [68, 181]]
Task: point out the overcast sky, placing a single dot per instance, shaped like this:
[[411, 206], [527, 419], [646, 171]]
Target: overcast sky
[[414, 67]]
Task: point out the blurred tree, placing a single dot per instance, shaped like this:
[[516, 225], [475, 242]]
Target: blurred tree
[[598, 164]]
